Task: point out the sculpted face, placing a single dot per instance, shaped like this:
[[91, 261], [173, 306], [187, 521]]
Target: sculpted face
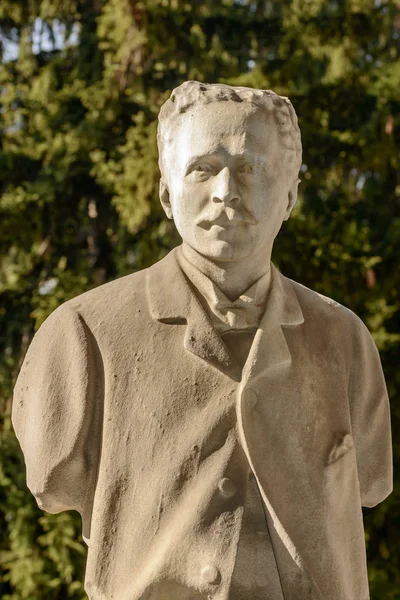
[[228, 186]]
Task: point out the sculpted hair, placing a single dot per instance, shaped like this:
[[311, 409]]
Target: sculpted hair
[[194, 93]]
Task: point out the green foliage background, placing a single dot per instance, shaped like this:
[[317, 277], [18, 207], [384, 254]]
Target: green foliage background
[[81, 83]]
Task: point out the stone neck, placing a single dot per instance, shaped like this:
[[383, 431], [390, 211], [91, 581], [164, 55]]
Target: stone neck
[[233, 278]]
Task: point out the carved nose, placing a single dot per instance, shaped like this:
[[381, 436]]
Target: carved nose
[[226, 189], [228, 199]]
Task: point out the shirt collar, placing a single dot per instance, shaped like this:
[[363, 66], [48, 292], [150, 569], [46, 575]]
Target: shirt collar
[[243, 313]]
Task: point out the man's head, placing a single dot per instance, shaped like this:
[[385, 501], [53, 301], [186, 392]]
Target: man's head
[[229, 160]]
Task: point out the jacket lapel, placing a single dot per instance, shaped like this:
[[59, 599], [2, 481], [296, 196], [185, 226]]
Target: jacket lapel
[[270, 352], [268, 412], [172, 301]]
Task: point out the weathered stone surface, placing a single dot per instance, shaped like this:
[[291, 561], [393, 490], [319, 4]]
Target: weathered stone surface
[[217, 425]]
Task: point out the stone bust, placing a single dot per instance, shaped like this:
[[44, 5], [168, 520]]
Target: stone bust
[[217, 425]]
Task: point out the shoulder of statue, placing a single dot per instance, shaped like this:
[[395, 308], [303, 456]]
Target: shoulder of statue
[[318, 306]]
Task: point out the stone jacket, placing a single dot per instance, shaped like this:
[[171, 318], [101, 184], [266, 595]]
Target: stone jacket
[[129, 409]]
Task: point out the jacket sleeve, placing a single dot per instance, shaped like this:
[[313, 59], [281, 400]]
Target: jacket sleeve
[[57, 413], [370, 415]]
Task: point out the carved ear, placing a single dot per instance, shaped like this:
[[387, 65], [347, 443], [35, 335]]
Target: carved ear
[[292, 199], [164, 199]]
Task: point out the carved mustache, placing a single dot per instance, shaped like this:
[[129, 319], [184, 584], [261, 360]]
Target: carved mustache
[[228, 216]]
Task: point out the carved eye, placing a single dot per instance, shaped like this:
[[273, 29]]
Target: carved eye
[[202, 168], [245, 169], [201, 171]]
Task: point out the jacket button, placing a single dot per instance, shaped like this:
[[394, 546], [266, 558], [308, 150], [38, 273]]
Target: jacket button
[[210, 574], [227, 487]]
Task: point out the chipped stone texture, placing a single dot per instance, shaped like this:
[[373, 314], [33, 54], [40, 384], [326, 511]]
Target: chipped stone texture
[[217, 425]]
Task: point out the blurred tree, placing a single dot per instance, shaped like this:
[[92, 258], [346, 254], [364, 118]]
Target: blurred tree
[[81, 82]]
